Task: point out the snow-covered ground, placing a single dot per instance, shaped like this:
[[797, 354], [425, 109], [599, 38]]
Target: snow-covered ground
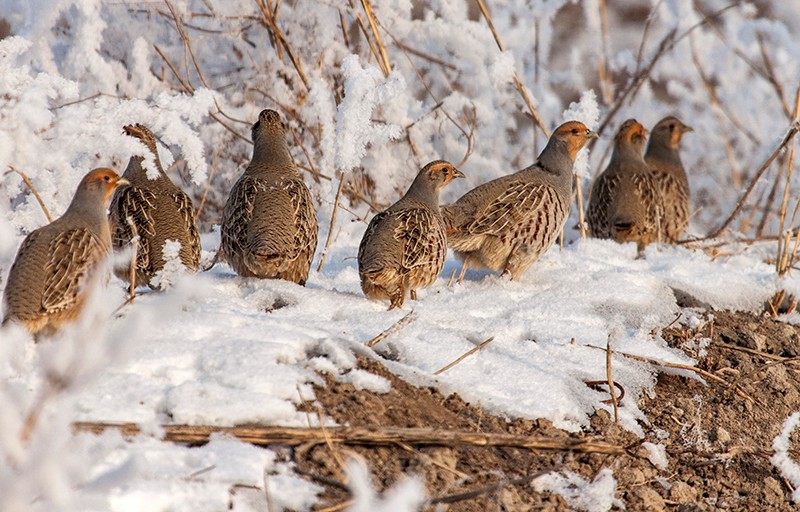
[[222, 350]]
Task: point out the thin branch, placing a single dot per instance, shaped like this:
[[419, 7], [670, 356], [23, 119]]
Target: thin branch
[[35, 192], [384, 60], [517, 82], [786, 141], [333, 222]]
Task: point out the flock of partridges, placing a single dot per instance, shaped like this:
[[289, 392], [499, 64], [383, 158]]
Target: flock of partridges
[[269, 225]]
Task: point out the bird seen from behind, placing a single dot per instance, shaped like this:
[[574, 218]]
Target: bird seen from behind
[[154, 210], [269, 226]]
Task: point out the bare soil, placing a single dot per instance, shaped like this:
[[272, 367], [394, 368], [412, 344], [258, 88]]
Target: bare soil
[[718, 435]]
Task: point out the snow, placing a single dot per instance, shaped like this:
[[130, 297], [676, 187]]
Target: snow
[[781, 459], [222, 350], [657, 454], [581, 494]]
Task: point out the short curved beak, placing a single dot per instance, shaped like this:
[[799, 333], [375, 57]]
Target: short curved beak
[[458, 174], [592, 135], [122, 181], [687, 129]]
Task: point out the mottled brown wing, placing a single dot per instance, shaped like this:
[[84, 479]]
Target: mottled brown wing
[[650, 198], [674, 204], [422, 237], [599, 203], [72, 254], [137, 205], [237, 215], [305, 217], [518, 202], [186, 211]]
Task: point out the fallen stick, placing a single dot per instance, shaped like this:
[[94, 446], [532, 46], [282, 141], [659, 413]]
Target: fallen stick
[[393, 328], [373, 435], [464, 356]]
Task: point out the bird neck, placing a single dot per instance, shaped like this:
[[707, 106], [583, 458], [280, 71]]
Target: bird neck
[[137, 175], [271, 151], [423, 190], [555, 158], [88, 204], [626, 152], [664, 153]]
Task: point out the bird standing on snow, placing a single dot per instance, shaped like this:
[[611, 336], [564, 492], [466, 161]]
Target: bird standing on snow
[[48, 282], [269, 226], [670, 177], [404, 246], [623, 204], [158, 210], [508, 223]]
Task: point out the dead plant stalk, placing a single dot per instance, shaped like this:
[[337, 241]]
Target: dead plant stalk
[[371, 435]]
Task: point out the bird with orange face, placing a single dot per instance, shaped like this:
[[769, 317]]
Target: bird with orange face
[[670, 177], [47, 285], [404, 246], [508, 223], [623, 204]]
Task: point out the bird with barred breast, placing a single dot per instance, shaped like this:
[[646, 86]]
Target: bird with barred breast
[[623, 204], [153, 211], [269, 226], [508, 223], [663, 157], [49, 281], [405, 246]]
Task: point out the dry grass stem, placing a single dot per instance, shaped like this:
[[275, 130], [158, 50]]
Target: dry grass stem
[[208, 184], [606, 83], [268, 20], [35, 192], [134, 255], [579, 200], [384, 58], [373, 50], [454, 498], [371, 436], [337, 456], [392, 329], [517, 82], [610, 376], [333, 222], [787, 139], [464, 355]]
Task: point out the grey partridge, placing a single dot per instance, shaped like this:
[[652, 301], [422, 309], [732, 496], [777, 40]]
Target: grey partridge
[[508, 223], [269, 226], [623, 204], [48, 282], [405, 246], [670, 177], [155, 210]]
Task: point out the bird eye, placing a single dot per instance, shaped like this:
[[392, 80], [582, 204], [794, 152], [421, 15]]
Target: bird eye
[[106, 178], [574, 131]]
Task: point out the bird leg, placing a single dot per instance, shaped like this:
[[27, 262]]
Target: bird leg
[[507, 269], [463, 270], [397, 297]]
